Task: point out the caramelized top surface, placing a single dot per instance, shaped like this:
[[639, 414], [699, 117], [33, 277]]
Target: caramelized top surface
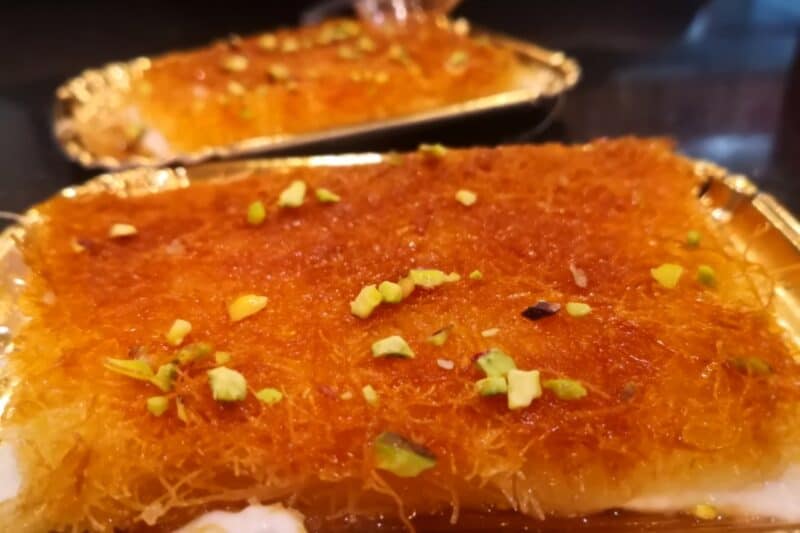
[[666, 407], [301, 80]]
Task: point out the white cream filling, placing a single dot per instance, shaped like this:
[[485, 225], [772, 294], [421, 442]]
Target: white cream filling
[[776, 498], [251, 519]]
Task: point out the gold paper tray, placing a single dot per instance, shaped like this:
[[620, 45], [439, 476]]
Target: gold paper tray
[[96, 91], [754, 222]]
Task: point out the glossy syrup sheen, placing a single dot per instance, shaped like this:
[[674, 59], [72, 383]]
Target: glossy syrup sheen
[[665, 408]]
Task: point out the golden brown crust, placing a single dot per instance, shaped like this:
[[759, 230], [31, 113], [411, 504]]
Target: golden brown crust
[[194, 99], [665, 407]]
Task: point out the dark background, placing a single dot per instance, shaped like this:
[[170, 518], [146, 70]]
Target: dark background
[[721, 77]]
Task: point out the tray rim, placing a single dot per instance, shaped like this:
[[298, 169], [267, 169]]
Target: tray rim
[[68, 95]]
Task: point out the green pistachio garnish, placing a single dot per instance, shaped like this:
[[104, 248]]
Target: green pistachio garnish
[[278, 72], [667, 275], [394, 346], [268, 42], [222, 358], [523, 388], [434, 150], [269, 396], [430, 278], [178, 331], [245, 306], [704, 511], [132, 368], [347, 52], [293, 195], [370, 395], [439, 337], [326, 196], [157, 405], [194, 352], [706, 275], [164, 377], [227, 385], [491, 386], [122, 230], [290, 45], [457, 60], [368, 299], [693, 239], [476, 275], [565, 389], [578, 309], [495, 363], [256, 213], [391, 292], [754, 366], [400, 456], [365, 44], [235, 63], [465, 197]]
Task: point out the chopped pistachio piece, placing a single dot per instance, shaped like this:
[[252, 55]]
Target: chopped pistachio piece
[[429, 278], [578, 309], [706, 275], [268, 42], [400, 456], [194, 352], [327, 196], [235, 88], [290, 45], [435, 150], [565, 389], [751, 365], [408, 285], [391, 292], [495, 363], [370, 395], [438, 338], [346, 395], [227, 385], [269, 396], [368, 299], [704, 511], [476, 275], [491, 332], [693, 239], [347, 52], [256, 213], [667, 275], [157, 405], [235, 63], [132, 368], [445, 364], [222, 358], [365, 44], [164, 377], [465, 197], [122, 230], [278, 72], [394, 346], [245, 306], [491, 386], [523, 388], [457, 60], [178, 331], [293, 195]]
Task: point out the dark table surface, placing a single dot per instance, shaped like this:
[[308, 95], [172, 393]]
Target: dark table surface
[[721, 77]]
